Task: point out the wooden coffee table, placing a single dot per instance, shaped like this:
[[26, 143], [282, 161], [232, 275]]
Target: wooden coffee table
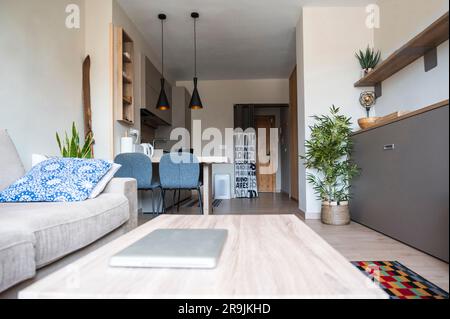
[[265, 256]]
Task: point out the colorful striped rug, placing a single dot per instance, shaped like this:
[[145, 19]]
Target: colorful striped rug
[[399, 281]]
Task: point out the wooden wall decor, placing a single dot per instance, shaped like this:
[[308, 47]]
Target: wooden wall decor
[[87, 110]]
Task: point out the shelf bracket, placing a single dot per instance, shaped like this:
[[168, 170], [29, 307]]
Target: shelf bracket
[[431, 59], [378, 90]]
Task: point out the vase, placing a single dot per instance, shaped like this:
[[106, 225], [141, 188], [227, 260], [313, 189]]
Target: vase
[[363, 73], [336, 214]]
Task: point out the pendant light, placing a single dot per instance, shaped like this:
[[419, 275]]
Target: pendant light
[[196, 102], [163, 102]]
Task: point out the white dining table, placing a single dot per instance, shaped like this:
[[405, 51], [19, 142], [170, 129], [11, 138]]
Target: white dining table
[[206, 162]]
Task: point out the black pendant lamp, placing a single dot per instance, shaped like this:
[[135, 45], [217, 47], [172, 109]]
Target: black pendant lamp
[[196, 102], [163, 102]]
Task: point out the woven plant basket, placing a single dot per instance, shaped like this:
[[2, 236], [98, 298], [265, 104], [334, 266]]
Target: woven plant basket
[[334, 214]]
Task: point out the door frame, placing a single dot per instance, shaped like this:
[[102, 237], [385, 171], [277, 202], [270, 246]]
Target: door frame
[[293, 127], [272, 125]]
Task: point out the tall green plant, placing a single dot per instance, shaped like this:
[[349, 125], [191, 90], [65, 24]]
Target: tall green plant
[[328, 153], [71, 147], [368, 59]]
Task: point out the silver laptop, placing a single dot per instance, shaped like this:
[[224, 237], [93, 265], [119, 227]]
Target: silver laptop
[[174, 248]]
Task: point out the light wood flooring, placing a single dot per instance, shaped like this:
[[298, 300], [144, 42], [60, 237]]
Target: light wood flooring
[[355, 242]]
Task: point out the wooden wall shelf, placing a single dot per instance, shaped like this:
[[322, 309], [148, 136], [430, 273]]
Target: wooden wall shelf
[[429, 39], [405, 116], [124, 90]]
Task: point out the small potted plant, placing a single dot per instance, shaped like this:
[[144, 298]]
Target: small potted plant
[[368, 60], [72, 148], [328, 155]]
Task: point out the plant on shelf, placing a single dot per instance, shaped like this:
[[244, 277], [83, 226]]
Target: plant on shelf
[[368, 59], [328, 155], [71, 147]]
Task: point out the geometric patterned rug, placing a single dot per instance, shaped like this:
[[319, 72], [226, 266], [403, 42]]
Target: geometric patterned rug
[[399, 281]]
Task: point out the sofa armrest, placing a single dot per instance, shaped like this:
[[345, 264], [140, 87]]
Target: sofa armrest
[[127, 187]]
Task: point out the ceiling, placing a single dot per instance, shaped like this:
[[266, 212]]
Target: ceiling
[[237, 39]]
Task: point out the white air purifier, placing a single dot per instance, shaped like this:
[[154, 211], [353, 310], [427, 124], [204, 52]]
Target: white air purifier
[[222, 186]]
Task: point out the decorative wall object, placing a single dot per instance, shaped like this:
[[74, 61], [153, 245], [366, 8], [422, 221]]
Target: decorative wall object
[[245, 165], [367, 100]]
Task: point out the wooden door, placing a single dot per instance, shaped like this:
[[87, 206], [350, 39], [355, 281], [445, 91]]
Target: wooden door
[[293, 115], [266, 182]]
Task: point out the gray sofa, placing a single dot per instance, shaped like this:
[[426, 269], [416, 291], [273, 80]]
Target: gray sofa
[[35, 235]]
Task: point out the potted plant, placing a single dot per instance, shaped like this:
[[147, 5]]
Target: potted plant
[[71, 147], [368, 60], [328, 154]]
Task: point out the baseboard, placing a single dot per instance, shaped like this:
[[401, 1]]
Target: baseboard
[[313, 216]]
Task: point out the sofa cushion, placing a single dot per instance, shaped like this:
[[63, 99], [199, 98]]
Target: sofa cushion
[[11, 168], [57, 180], [17, 262], [62, 228]]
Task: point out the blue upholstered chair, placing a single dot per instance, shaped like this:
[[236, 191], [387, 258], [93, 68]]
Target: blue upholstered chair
[[179, 171], [139, 166]]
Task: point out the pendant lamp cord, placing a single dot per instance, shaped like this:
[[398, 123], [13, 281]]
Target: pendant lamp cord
[[162, 46], [195, 47]]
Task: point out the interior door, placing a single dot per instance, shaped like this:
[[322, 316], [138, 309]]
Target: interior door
[[293, 115], [266, 182]]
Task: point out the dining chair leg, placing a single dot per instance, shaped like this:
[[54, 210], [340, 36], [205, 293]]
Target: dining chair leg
[[200, 200], [173, 200], [160, 202], [179, 198], [163, 197], [153, 201]]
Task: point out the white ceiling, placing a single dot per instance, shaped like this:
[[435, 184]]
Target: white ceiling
[[237, 39]]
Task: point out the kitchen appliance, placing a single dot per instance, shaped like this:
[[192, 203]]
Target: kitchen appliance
[[148, 149]]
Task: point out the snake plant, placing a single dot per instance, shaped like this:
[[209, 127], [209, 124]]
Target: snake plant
[[71, 147]]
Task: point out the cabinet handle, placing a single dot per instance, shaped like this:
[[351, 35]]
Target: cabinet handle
[[389, 147]]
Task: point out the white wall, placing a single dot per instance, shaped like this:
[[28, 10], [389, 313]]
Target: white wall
[[411, 88], [301, 113], [401, 20], [41, 74], [98, 16], [219, 98], [329, 37]]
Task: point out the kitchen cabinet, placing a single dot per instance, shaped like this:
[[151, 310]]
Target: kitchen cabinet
[[403, 187]]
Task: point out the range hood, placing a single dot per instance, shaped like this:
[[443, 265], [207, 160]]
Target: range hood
[[152, 120]]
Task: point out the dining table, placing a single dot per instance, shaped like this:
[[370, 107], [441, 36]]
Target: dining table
[[206, 162]]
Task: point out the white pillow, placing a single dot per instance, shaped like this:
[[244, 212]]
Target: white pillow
[[105, 180], [38, 158]]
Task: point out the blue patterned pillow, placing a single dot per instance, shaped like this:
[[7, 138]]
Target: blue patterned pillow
[[57, 180]]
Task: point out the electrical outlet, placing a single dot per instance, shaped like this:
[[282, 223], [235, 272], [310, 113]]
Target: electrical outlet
[[134, 132]]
